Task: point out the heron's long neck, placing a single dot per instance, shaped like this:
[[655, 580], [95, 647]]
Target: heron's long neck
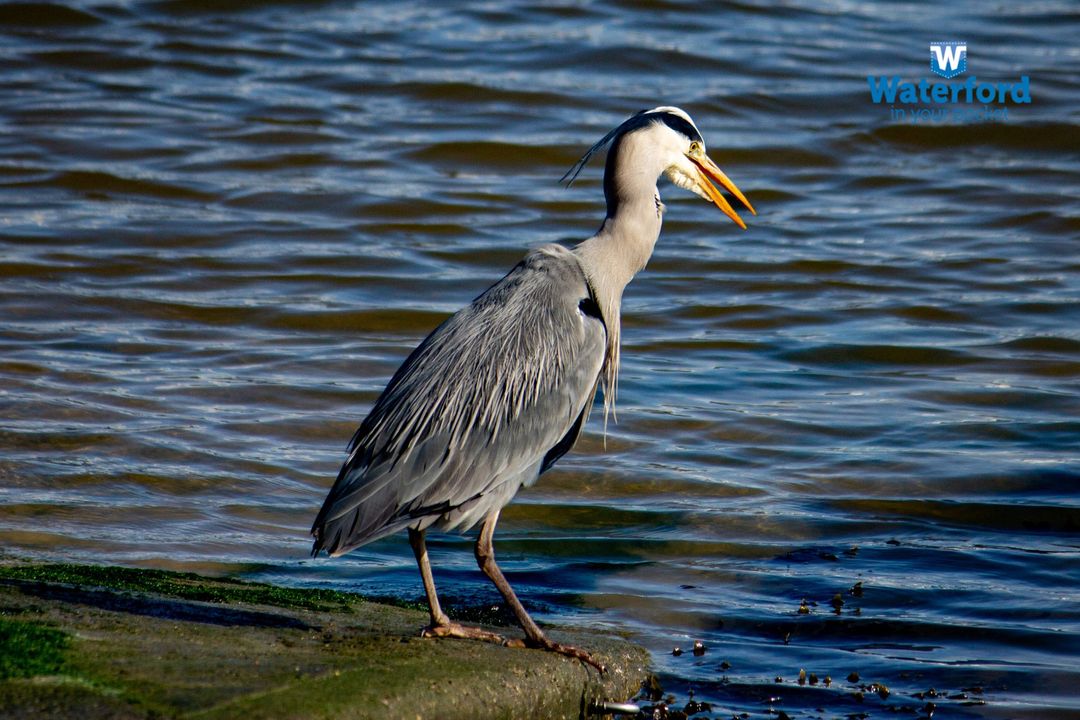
[[611, 258]]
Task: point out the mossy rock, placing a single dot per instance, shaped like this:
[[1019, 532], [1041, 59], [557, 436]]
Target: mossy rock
[[108, 642]]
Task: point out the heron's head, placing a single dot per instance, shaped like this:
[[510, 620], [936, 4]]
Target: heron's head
[[662, 141]]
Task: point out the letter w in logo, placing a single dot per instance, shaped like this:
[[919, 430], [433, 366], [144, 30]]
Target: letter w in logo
[[948, 59]]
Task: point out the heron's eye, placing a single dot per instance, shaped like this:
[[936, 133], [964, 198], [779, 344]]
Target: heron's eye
[[695, 147]]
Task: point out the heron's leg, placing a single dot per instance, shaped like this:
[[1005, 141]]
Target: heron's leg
[[419, 548], [534, 637], [441, 625]]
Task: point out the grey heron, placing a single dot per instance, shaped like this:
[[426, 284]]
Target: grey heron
[[496, 394]]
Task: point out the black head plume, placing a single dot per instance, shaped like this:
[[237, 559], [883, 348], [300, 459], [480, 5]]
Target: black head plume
[[672, 117]]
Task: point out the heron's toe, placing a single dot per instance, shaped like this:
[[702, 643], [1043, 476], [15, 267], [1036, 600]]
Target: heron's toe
[[453, 630], [568, 650]]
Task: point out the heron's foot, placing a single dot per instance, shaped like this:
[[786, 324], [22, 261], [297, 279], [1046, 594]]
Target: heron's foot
[[551, 646], [453, 630]]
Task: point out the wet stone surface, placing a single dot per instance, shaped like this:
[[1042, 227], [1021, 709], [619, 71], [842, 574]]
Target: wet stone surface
[[87, 642]]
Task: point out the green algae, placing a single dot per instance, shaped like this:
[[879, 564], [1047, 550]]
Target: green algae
[[28, 649], [187, 586]]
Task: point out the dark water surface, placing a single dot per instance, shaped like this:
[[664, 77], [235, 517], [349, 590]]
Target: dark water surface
[[224, 224]]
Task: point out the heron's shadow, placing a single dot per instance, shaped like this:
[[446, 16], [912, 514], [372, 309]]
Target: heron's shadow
[[158, 607]]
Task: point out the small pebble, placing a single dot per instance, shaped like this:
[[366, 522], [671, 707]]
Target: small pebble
[[694, 707], [853, 677], [699, 648], [677, 652]]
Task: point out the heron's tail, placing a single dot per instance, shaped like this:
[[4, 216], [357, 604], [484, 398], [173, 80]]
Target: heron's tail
[[355, 514], [340, 535]]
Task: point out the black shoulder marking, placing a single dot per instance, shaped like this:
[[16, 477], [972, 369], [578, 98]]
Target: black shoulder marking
[[589, 307], [563, 446]]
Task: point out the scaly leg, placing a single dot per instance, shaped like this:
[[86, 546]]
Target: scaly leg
[[441, 625], [485, 558]]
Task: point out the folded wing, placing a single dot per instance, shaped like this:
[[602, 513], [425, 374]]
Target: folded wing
[[489, 400]]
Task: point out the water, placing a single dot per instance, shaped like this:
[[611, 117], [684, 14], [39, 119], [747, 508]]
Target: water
[[224, 225]]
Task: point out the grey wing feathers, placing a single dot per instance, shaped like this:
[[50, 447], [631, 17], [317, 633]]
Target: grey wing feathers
[[492, 397]]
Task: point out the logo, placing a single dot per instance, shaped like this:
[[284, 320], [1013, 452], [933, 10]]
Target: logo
[[934, 100], [948, 59]]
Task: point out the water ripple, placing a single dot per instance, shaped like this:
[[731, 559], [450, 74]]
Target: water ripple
[[225, 223]]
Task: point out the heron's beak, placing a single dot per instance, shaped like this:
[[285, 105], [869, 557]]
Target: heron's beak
[[707, 169]]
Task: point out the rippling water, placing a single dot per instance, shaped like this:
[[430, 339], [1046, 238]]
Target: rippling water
[[224, 224]]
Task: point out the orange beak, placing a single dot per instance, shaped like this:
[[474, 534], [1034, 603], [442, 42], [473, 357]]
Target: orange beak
[[707, 169]]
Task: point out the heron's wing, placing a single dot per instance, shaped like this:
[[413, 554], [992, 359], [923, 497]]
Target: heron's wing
[[497, 391]]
